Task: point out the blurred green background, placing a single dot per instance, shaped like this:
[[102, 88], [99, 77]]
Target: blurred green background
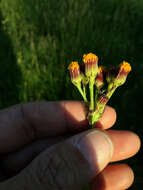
[[38, 39]]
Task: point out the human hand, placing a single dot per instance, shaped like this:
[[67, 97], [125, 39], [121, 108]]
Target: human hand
[[72, 156]]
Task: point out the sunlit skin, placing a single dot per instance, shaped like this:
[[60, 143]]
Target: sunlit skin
[[56, 121]]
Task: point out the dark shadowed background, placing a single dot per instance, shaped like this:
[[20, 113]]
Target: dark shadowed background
[[39, 38]]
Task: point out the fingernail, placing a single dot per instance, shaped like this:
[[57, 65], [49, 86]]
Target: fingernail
[[97, 148]]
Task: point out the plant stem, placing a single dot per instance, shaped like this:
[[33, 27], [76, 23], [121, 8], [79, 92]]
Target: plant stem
[[100, 107], [96, 96], [91, 107], [109, 93], [91, 85], [97, 115], [84, 90], [82, 93]]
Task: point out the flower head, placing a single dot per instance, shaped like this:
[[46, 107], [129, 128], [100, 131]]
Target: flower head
[[75, 73], [91, 64], [89, 57], [124, 69], [117, 75], [99, 78]]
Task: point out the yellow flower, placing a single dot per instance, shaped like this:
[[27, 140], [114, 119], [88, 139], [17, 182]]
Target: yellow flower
[[91, 64], [75, 73], [73, 65], [125, 67], [89, 57]]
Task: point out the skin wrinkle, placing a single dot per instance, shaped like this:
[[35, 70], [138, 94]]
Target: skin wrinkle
[[61, 163], [71, 166], [11, 164], [27, 127], [55, 108], [51, 169], [37, 112], [28, 132], [46, 171]]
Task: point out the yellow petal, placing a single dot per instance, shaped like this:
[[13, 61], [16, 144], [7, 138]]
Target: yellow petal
[[125, 66], [89, 57], [73, 65]]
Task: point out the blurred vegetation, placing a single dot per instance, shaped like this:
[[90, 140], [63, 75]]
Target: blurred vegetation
[[38, 39]]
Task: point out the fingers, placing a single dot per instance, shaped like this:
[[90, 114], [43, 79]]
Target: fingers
[[78, 113], [126, 144], [108, 118], [67, 165], [20, 125], [117, 176], [14, 162], [89, 144]]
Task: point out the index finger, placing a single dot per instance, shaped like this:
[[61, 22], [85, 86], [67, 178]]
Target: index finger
[[21, 124]]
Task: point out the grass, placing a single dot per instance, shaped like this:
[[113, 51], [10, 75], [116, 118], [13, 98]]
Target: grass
[[40, 38]]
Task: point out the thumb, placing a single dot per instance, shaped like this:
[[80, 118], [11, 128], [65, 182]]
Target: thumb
[[67, 165]]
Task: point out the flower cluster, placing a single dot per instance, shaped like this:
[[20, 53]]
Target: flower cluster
[[97, 84]]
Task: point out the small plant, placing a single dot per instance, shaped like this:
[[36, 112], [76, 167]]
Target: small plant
[[97, 84]]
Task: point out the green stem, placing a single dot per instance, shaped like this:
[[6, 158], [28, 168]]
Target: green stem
[[109, 93], [84, 90], [96, 116], [100, 107], [82, 93], [96, 95], [90, 119], [91, 85], [91, 108]]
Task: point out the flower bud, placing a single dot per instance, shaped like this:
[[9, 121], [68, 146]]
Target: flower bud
[[75, 73], [99, 78], [124, 69], [116, 76], [91, 64]]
